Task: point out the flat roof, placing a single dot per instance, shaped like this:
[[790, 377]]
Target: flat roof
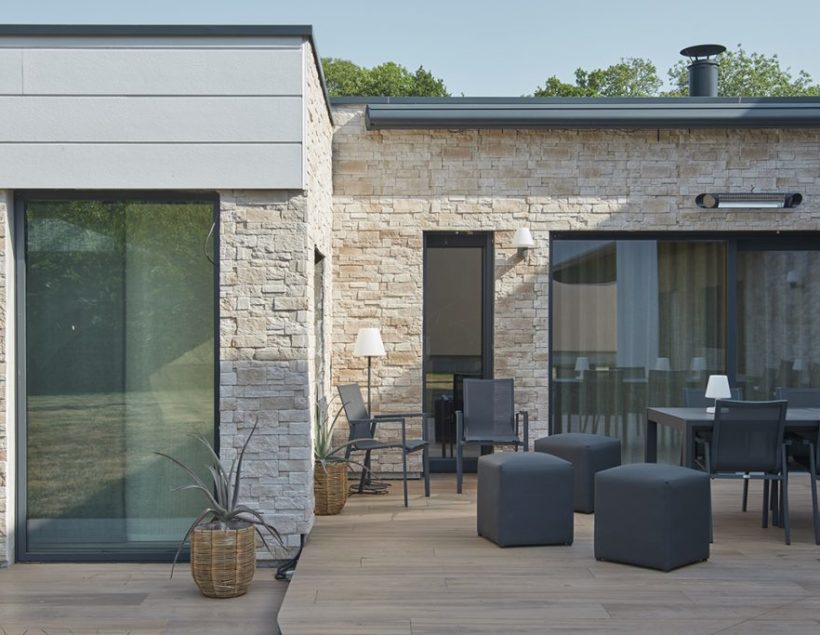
[[174, 30], [384, 113]]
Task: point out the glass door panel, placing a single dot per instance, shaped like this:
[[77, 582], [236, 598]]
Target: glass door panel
[[120, 360], [635, 323], [456, 330], [778, 332]]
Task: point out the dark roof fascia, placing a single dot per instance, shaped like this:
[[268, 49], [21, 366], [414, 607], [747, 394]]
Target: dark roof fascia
[[174, 30], [591, 113]]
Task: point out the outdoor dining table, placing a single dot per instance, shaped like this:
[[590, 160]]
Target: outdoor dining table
[[691, 420]]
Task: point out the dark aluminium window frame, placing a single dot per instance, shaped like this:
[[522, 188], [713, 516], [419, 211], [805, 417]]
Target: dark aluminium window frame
[[455, 239], [21, 197], [735, 241]]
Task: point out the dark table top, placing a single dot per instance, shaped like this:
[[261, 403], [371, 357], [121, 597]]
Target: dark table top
[[701, 417]]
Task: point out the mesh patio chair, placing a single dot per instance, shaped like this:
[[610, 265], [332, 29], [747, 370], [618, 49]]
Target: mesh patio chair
[[363, 436], [488, 418], [805, 446], [748, 443]]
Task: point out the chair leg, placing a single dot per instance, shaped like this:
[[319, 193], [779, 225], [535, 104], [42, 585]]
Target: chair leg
[[459, 450], [425, 465], [404, 474], [459, 466], [813, 481], [765, 504], [774, 504], [363, 478], [784, 497], [745, 491], [711, 520]]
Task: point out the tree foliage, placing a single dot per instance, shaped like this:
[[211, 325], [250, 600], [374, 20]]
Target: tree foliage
[[344, 78], [741, 74], [631, 77]]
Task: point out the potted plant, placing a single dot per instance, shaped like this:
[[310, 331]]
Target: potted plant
[[330, 470], [223, 536]]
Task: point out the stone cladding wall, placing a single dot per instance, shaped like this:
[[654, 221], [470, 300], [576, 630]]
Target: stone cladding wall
[[391, 186], [267, 343]]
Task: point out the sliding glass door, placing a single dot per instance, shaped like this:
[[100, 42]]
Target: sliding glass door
[[778, 296], [634, 323], [117, 335], [640, 322]]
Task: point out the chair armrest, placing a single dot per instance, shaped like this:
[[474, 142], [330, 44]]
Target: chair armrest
[[402, 415]]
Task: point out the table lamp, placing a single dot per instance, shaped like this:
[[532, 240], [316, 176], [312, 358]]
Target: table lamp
[[581, 366], [369, 344], [717, 388], [662, 363]]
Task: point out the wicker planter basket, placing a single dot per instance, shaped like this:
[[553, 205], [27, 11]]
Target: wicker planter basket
[[330, 488], [223, 561]]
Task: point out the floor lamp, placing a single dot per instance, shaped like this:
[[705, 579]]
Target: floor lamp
[[369, 344]]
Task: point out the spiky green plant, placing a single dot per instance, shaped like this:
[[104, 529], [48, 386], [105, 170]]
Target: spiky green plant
[[223, 508], [324, 451]]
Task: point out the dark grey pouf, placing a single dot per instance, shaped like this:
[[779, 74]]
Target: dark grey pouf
[[588, 453], [652, 515], [525, 498]]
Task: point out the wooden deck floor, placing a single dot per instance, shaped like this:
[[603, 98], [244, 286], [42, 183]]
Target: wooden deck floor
[[80, 599], [378, 568]]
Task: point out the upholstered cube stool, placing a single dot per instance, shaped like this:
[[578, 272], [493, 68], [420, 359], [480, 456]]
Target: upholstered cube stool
[[652, 515], [588, 453], [525, 498]]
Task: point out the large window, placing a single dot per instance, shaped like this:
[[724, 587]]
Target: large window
[[640, 322], [118, 344]]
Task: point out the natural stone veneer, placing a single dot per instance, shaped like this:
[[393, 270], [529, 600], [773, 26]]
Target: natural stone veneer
[[267, 343], [392, 186]]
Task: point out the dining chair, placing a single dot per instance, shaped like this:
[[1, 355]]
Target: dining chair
[[747, 442], [488, 418], [363, 436], [805, 446]]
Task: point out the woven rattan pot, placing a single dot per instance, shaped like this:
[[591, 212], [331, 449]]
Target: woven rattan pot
[[223, 561], [330, 488]]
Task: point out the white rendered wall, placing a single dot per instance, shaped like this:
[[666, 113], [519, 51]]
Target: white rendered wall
[[151, 113]]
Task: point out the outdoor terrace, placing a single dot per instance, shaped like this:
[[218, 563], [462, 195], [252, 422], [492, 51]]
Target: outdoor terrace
[[382, 569]]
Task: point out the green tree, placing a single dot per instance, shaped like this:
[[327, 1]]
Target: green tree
[[344, 78], [745, 74], [631, 77], [741, 74]]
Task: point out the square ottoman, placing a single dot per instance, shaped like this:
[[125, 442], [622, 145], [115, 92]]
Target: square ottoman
[[652, 515], [588, 453], [525, 498]]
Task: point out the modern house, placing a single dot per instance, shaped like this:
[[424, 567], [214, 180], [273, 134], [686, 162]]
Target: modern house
[[193, 234]]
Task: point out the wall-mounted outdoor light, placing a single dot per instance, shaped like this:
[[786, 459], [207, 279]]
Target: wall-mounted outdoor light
[[750, 200], [522, 240]]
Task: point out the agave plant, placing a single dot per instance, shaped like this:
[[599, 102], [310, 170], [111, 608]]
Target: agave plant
[[222, 495], [324, 451]]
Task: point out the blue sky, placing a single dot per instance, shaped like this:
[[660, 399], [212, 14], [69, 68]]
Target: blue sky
[[486, 47]]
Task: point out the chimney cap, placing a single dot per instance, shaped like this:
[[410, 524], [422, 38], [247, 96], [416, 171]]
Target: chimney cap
[[700, 51]]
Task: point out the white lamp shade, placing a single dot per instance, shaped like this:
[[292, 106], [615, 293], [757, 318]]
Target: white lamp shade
[[662, 363], [698, 364], [798, 365], [718, 387], [523, 239], [581, 364], [369, 343]]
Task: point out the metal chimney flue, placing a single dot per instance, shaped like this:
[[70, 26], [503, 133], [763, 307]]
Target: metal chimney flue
[[703, 69]]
